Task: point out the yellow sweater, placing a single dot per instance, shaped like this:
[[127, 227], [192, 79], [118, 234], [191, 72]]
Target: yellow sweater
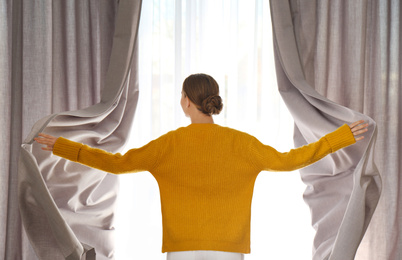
[[206, 176]]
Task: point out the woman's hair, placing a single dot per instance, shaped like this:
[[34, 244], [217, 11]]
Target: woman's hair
[[203, 91]]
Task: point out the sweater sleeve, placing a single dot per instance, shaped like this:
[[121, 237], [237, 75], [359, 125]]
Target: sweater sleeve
[[268, 159], [135, 160]]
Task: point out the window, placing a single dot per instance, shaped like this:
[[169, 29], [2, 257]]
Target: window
[[232, 41]]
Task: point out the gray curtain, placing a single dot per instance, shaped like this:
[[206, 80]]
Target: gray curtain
[[56, 56], [338, 61]]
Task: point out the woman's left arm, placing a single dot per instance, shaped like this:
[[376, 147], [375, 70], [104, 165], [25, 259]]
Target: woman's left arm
[[269, 159]]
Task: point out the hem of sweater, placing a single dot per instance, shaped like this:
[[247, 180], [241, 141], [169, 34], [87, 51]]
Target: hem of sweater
[[207, 246], [340, 138], [67, 149]]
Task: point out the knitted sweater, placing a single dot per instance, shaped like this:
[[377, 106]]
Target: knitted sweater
[[206, 176]]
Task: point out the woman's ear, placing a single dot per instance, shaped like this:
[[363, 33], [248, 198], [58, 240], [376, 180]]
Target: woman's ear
[[188, 102]]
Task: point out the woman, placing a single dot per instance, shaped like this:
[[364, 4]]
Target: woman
[[205, 173]]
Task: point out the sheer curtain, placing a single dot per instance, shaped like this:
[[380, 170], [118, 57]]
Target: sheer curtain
[[232, 41]]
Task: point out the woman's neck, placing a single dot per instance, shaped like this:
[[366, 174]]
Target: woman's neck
[[202, 119]]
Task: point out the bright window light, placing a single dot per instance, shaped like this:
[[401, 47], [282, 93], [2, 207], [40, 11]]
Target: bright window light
[[230, 40]]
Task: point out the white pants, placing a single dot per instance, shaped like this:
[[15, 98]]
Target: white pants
[[204, 255]]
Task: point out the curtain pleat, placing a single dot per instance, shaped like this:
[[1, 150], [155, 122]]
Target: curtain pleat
[[344, 188], [68, 209]]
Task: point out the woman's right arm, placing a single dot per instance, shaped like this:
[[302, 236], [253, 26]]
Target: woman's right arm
[[135, 160]]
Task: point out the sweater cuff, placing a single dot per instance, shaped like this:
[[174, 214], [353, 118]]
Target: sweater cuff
[[340, 138], [67, 149]]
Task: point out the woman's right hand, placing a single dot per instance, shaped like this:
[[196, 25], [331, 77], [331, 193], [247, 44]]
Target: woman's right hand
[[46, 140]]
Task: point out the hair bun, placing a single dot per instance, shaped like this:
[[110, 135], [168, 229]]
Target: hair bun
[[212, 105]]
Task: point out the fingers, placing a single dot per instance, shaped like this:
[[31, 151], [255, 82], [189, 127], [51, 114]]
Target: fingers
[[47, 148], [356, 123], [359, 132], [43, 140], [358, 128], [359, 138], [47, 136], [46, 140]]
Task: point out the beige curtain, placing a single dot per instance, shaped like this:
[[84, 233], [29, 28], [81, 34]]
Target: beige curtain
[[73, 56], [338, 61]]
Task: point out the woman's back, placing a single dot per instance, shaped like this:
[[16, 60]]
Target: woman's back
[[206, 181]]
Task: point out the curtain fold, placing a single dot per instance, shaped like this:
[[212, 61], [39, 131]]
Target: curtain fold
[[40, 79], [342, 189], [67, 209], [351, 54]]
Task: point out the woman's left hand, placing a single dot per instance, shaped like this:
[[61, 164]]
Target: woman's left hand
[[46, 140], [358, 128]]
